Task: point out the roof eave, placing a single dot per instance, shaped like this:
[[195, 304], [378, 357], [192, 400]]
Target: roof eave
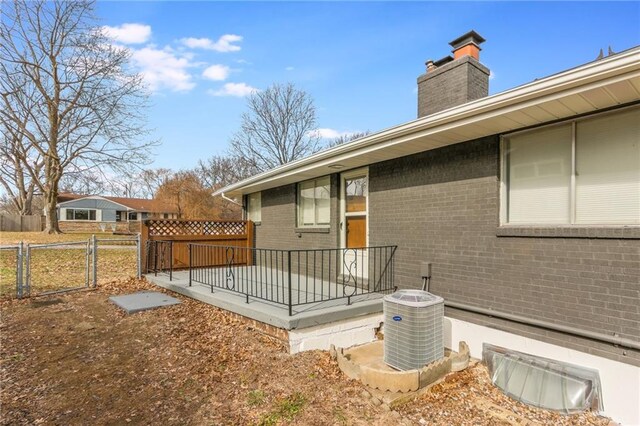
[[622, 63]]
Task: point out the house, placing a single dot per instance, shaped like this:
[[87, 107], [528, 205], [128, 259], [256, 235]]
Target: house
[[525, 206], [95, 213]]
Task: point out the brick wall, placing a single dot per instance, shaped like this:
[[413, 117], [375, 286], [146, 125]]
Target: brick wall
[[452, 84], [277, 229], [442, 206]]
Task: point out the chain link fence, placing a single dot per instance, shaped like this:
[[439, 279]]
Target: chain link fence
[[40, 269]]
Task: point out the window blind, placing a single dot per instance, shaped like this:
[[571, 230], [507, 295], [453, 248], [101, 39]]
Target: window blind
[[307, 209], [322, 201], [539, 176], [608, 169], [254, 206]]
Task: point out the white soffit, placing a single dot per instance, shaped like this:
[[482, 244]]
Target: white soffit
[[597, 85]]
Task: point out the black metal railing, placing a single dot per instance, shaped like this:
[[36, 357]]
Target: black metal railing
[[160, 257], [293, 277]]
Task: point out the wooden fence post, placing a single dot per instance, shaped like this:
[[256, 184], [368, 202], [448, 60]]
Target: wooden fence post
[[250, 228], [144, 237]]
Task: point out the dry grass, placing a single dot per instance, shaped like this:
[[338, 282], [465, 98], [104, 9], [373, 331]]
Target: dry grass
[[41, 238], [76, 359]]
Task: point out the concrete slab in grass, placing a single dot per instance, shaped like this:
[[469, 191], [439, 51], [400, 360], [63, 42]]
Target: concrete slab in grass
[[143, 301]]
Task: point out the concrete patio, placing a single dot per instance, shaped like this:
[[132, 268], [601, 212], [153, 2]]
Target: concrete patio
[[275, 314]]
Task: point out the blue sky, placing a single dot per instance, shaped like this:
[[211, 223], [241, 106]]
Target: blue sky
[[358, 60]]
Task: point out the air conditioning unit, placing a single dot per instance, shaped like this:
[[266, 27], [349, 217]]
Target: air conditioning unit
[[413, 334]]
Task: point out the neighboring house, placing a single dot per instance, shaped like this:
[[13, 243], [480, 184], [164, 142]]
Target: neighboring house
[[93, 213], [526, 203]]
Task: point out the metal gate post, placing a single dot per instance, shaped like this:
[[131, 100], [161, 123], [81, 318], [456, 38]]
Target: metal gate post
[[170, 260], [139, 255], [19, 265], [289, 273], [27, 287], [190, 260], [94, 251], [87, 263]]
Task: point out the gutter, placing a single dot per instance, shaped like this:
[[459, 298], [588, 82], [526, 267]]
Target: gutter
[[573, 331], [583, 77]]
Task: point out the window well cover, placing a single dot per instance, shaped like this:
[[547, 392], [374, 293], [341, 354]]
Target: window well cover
[[543, 382]]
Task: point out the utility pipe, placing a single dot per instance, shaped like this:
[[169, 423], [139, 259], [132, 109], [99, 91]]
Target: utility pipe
[[229, 199], [601, 337]]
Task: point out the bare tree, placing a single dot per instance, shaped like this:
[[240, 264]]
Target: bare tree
[[143, 184], [278, 127], [86, 109], [193, 199], [151, 179], [84, 183], [346, 138], [21, 165], [219, 171]]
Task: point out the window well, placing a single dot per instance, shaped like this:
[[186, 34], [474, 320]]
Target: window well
[[543, 382]]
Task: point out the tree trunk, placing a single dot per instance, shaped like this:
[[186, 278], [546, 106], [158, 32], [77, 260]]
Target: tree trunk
[[51, 216], [51, 197]]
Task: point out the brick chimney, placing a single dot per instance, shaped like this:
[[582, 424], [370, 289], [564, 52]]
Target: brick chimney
[[453, 81]]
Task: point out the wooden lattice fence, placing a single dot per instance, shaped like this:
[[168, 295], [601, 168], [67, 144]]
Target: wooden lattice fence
[[181, 232]]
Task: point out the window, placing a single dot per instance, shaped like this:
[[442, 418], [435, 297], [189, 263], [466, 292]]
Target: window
[[133, 216], [254, 207], [313, 202], [80, 214], [584, 172]]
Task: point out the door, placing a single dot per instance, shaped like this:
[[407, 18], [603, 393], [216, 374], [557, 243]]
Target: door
[[354, 223]]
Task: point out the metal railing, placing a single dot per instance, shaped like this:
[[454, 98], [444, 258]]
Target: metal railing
[[159, 257], [293, 277]]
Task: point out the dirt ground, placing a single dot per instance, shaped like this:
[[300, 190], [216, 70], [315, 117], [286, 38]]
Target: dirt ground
[[77, 359]]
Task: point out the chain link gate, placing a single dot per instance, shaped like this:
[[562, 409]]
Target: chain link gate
[[29, 270]]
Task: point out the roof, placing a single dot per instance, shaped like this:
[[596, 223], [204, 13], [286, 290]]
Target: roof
[[137, 204], [602, 84]]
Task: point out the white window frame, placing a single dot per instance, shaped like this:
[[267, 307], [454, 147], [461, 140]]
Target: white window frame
[[504, 188], [363, 172], [66, 210], [299, 205], [256, 218]]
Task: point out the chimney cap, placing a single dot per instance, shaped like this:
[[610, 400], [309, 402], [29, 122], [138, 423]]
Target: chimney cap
[[443, 61], [468, 38]]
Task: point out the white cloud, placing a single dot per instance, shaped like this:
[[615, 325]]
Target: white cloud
[[128, 33], [491, 75], [224, 44], [161, 68], [233, 89], [326, 133], [216, 72], [289, 68]]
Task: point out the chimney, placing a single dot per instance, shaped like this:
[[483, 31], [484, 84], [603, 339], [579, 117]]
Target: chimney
[[454, 80]]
